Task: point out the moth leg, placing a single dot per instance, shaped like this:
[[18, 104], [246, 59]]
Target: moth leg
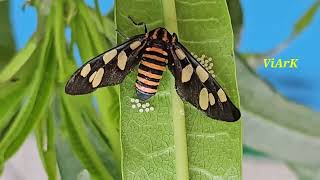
[[139, 24]]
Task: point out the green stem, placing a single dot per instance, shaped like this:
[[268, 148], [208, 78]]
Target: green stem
[[180, 139], [59, 39]]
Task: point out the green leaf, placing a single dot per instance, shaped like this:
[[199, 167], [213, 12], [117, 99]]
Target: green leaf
[[18, 60], [107, 27], [306, 19], [210, 143], [45, 135], [10, 104], [152, 144], [69, 165], [278, 127], [7, 44], [17, 126], [236, 15], [43, 99], [78, 137], [13, 93], [101, 144], [306, 173], [60, 39]]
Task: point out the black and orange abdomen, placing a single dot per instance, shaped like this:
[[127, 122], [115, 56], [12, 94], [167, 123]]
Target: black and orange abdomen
[[150, 71]]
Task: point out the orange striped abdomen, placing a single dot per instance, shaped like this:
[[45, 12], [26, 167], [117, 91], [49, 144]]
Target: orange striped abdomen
[[150, 71]]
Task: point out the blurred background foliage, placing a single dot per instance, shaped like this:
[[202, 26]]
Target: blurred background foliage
[[76, 139]]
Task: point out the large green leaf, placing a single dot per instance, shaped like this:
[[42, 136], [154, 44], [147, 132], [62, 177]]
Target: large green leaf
[[275, 125], [153, 143]]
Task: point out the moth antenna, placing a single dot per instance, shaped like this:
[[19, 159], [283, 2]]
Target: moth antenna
[[139, 24]]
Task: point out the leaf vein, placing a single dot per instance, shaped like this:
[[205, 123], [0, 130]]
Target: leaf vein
[[199, 20], [200, 42], [207, 135], [196, 3], [202, 171]]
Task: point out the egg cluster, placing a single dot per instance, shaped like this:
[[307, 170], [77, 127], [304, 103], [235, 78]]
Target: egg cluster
[[206, 62], [140, 106]]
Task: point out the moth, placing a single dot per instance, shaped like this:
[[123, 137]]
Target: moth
[[152, 52]]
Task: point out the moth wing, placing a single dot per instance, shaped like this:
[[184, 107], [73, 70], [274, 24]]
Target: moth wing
[[107, 69], [195, 85]]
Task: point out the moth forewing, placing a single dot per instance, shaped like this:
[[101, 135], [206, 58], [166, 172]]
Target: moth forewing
[[199, 88], [108, 68]]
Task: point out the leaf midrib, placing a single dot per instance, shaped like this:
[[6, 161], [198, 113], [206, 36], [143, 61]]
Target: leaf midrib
[[178, 118]]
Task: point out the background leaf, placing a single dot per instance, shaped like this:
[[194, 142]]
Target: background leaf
[[306, 19], [296, 125], [7, 44], [236, 14]]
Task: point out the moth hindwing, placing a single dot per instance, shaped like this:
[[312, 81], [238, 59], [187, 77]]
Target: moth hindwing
[[197, 86], [108, 68]]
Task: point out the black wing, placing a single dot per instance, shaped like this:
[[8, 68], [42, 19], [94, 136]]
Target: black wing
[[109, 68], [195, 85]]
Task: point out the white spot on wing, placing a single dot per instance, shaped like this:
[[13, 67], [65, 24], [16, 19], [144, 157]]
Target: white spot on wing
[[203, 99], [108, 56], [222, 96], [202, 74], [122, 60], [180, 54], [187, 73], [134, 45], [211, 99], [85, 70], [97, 79], [92, 76]]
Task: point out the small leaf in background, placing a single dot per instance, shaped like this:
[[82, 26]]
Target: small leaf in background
[[18, 60], [7, 44], [45, 135], [306, 19], [305, 173], [69, 165], [281, 135], [78, 137], [21, 119]]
